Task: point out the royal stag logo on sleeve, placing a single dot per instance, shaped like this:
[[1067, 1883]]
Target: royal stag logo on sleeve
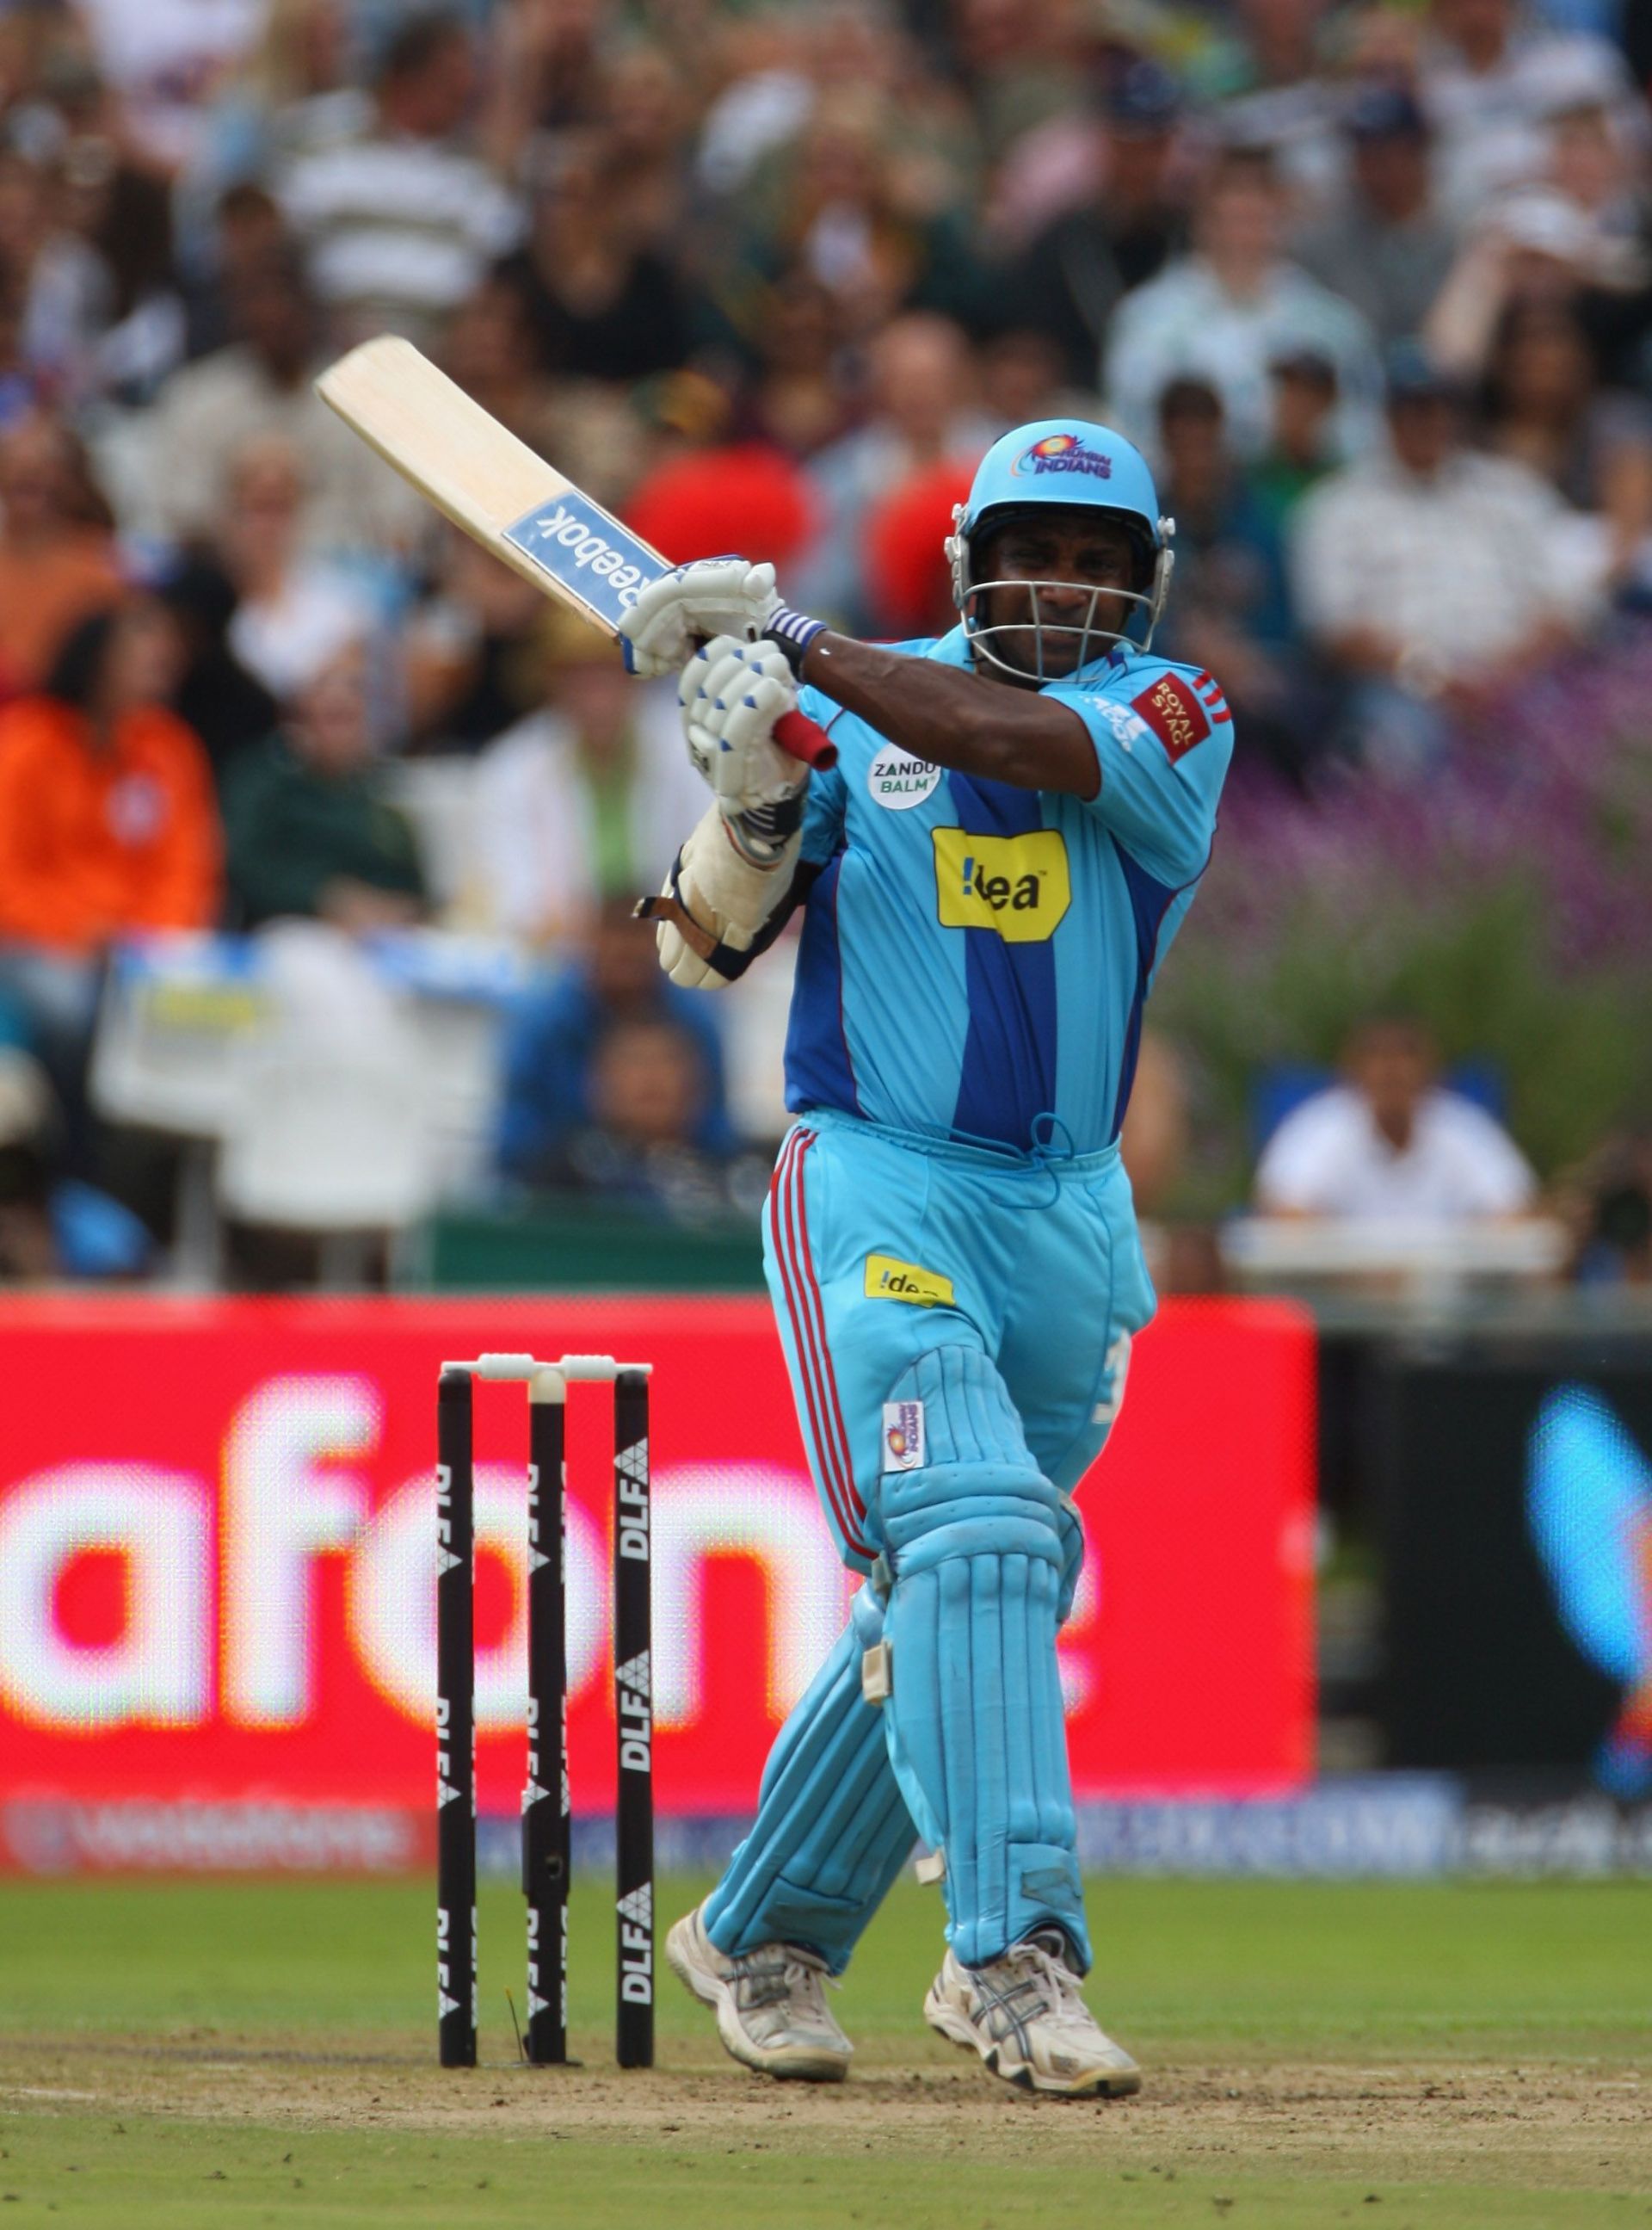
[[1175, 714], [1019, 886]]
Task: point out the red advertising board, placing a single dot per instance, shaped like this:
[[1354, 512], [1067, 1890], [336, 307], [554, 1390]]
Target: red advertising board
[[217, 1553]]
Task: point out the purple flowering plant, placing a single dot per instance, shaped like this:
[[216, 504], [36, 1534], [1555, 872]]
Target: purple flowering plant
[[1505, 895]]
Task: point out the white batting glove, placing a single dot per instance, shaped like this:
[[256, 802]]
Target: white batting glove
[[731, 693], [714, 596]]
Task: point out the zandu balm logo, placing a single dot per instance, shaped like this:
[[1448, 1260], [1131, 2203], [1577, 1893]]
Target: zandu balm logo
[[1019, 885], [898, 781]]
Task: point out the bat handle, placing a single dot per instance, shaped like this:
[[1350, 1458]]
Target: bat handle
[[802, 738]]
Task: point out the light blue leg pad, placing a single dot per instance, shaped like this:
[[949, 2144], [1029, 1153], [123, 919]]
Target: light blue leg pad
[[833, 1830], [977, 1542]]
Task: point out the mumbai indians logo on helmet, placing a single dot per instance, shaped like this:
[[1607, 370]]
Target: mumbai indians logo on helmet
[[1061, 453]]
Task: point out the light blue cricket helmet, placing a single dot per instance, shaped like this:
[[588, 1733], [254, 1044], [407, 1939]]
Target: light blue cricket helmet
[[1068, 464]]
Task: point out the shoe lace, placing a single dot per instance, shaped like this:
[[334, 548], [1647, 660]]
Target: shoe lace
[[1047, 1981], [784, 1974]]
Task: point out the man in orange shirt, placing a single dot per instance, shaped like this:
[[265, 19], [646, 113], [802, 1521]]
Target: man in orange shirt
[[107, 824]]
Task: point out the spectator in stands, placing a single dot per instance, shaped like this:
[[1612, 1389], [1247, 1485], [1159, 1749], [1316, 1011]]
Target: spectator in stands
[[1491, 78], [799, 394], [1597, 159], [53, 1226], [1386, 247], [1607, 1205], [553, 1085], [764, 100], [1390, 1142], [57, 557], [583, 800], [1543, 407], [1535, 246], [1431, 577], [922, 413], [216, 695], [1233, 612], [471, 668], [124, 330], [258, 388], [294, 611], [1278, 95], [545, 76], [1224, 312], [401, 221], [245, 232], [489, 347], [56, 275], [1301, 444], [166, 63], [648, 1093], [107, 824], [602, 302], [1020, 377], [851, 215], [308, 832], [1070, 281], [293, 94], [642, 108]]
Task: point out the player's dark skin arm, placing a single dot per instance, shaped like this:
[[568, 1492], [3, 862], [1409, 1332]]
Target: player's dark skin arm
[[984, 723]]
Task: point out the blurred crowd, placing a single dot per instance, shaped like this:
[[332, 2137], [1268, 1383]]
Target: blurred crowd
[[1372, 284]]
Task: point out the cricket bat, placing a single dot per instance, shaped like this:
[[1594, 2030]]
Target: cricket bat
[[506, 497]]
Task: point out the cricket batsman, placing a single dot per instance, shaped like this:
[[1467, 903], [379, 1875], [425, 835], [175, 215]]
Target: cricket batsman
[[989, 877]]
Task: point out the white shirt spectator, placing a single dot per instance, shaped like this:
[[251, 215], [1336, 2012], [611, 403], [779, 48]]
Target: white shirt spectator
[[399, 229], [1492, 123], [1456, 568], [1186, 322], [531, 873], [167, 58], [209, 412], [1328, 1157], [285, 638]]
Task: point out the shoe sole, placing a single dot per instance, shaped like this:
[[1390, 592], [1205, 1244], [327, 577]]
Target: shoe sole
[[957, 2028], [797, 2065]]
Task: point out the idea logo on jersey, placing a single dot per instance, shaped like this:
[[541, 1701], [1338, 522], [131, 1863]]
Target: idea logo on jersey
[[1017, 885]]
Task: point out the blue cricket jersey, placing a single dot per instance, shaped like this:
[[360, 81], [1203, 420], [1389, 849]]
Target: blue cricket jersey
[[975, 956]]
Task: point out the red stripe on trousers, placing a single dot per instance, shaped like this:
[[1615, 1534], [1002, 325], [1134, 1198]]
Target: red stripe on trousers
[[833, 1406], [814, 1392]]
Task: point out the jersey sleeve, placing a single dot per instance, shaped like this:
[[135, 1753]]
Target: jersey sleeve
[[1163, 738]]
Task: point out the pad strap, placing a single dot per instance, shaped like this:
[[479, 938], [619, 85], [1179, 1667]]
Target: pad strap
[[730, 962]]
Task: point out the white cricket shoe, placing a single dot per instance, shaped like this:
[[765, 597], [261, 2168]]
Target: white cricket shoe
[[771, 2006], [1023, 2014]]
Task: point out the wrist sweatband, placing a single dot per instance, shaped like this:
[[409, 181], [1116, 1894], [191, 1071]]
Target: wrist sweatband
[[792, 633]]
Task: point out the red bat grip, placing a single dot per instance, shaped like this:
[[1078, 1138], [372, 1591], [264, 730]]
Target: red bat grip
[[804, 739]]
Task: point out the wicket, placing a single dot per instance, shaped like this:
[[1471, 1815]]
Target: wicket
[[545, 1811]]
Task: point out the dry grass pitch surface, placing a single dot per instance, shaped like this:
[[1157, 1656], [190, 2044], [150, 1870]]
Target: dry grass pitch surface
[[186, 2054]]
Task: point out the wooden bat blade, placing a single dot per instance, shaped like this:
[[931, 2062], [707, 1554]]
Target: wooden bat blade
[[496, 490], [459, 458]]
